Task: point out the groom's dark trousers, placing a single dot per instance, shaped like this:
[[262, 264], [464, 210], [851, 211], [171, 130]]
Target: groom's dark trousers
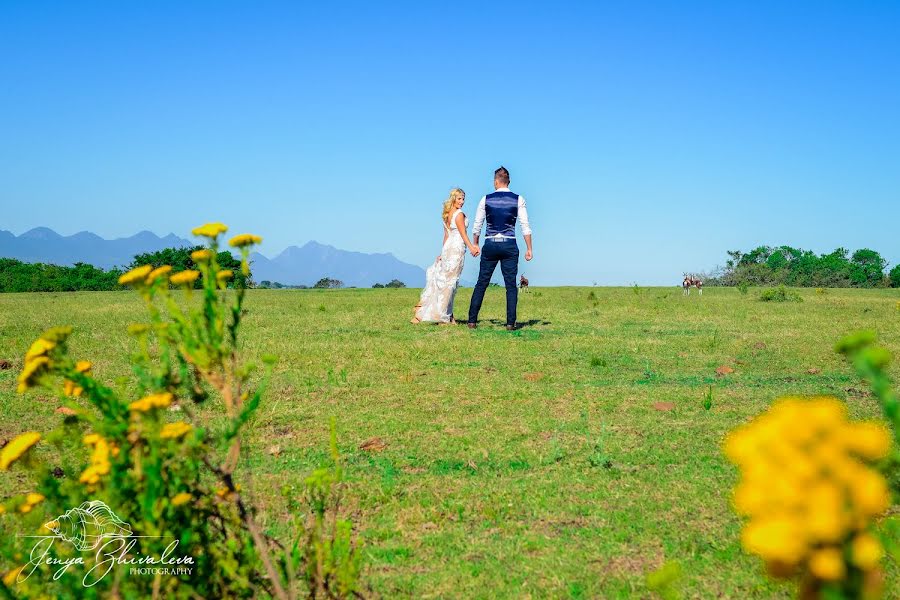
[[506, 253]]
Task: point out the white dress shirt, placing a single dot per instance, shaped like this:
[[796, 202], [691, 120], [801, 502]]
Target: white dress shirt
[[522, 219]]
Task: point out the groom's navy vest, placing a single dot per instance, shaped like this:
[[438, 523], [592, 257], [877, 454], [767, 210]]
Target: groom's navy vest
[[502, 210]]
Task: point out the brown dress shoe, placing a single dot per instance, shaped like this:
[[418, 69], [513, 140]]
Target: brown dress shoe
[[510, 327], [472, 325]]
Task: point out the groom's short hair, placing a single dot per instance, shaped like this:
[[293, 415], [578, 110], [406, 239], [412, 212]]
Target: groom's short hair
[[502, 175]]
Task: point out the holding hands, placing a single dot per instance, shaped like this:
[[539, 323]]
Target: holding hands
[[475, 250]]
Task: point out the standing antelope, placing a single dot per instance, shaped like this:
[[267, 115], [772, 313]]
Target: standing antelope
[[523, 282], [689, 282]]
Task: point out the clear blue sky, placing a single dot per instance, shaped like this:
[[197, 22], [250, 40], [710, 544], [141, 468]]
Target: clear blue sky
[[647, 137]]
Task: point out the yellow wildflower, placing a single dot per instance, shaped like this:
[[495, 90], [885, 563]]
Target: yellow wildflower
[[70, 388], [138, 328], [99, 459], [184, 277], [224, 275], [869, 440], [244, 239], [806, 486], [31, 500], [202, 255], [40, 347], [870, 493], [776, 539], [90, 476], [16, 448], [174, 430], [150, 402], [136, 275], [158, 273], [866, 551], [827, 564], [32, 369], [210, 230], [226, 494], [11, 577], [182, 498]]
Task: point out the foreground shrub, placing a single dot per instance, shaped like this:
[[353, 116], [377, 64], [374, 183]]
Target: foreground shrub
[[811, 494], [780, 294], [135, 478]]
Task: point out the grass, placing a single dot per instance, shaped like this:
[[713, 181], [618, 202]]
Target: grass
[[527, 463]]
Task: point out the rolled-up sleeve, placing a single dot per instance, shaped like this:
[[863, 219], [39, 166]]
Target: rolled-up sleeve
[[479, 218], [523, 217]]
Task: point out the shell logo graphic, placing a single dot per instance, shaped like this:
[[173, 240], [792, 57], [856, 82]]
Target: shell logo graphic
[[88, 525]]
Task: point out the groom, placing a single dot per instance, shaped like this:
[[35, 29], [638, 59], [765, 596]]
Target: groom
[[502, 209]]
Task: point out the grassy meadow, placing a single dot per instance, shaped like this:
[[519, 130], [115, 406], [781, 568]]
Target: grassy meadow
[[565, 459]]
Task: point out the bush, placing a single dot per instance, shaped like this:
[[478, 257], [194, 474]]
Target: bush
[[18, 276], [127, 471], [326, 283], [780, 294]]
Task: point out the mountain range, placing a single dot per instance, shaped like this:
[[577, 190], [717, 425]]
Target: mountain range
[[303, 265]]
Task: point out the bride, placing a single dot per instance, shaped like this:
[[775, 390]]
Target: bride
[[442, 278]]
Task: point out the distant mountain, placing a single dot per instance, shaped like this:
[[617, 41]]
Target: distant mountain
[[307, 264], [46, 246], [295, 266]]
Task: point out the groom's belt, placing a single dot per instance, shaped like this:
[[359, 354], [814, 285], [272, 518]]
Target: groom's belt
[[499, 238]]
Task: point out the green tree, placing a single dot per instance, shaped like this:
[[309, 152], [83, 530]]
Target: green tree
[[867, 268], [894, 276], [395, 283], [180, 260]]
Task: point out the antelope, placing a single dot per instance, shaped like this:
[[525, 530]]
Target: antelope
[[523, 282], [689, 282]]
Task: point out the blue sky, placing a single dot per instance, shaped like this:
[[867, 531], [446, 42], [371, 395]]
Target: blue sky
[[648, 138]]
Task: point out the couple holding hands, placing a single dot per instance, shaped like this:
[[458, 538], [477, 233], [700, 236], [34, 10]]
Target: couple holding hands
[[501, 209]]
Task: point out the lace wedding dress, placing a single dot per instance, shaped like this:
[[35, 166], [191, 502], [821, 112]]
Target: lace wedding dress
[[442, 278]]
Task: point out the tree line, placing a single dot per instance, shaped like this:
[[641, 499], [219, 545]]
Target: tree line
[[785, 265], [18, 276]]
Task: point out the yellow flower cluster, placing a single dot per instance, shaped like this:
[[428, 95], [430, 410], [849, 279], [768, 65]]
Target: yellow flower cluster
[[182, 498], [12, 576], [210, 230], [224, 275], [807, 488], [199, 256], [70, 388], [184, 277], [244, 239], [136, 276], [31, 500], [15, 449], [99, 459], [174, 430], [37, 357], [158, 273], [150, 402]]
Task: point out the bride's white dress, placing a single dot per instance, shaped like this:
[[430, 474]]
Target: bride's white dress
[[442, 278]]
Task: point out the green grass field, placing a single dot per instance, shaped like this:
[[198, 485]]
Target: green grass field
[[517, 464]]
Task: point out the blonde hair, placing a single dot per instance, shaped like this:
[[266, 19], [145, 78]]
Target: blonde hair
[[451, 201]]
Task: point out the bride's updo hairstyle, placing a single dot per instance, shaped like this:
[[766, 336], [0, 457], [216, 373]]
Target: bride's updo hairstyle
[[448, 204]]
